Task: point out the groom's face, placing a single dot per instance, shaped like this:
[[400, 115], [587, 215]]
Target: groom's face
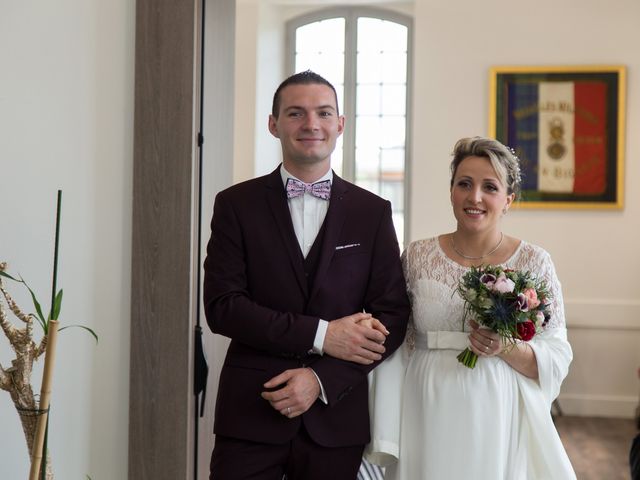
[[307, 124]]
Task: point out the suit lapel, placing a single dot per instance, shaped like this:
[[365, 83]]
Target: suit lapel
[[333, 222], [277, 200]]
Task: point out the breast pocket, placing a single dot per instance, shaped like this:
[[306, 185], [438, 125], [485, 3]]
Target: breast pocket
[[349, 251]]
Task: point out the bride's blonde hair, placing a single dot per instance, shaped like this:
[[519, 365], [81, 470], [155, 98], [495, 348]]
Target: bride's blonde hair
[[502, 158]]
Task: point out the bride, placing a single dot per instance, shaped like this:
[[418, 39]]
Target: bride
[[440, 419]]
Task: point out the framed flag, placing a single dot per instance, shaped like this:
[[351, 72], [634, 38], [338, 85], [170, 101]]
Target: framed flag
[[566, 124]]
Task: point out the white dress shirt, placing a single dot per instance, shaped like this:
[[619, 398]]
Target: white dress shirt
[[307, 215]]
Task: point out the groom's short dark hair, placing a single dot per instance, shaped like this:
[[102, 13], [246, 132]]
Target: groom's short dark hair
[[302, 78]]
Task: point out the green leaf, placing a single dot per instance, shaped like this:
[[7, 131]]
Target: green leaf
[[3, 274], [57, 305], [83, 327], [39, 316], [43, 322]]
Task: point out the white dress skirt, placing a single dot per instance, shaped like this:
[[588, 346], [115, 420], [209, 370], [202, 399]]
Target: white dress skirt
[[433, 418]]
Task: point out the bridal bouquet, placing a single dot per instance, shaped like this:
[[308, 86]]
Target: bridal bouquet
[[512, 303]]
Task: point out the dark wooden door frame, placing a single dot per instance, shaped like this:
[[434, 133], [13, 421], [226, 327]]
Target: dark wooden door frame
[[163, 264]]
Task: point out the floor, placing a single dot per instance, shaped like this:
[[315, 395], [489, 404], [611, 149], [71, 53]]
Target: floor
[[598, 447]]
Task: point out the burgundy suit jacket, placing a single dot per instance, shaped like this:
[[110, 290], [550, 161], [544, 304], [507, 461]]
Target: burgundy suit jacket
[[256, 293]]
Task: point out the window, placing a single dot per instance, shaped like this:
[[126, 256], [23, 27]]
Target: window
[[364, 53]]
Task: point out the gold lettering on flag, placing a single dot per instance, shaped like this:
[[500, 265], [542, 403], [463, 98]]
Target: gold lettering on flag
[[556, 162]]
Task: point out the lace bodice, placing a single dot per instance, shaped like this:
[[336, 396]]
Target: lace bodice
[[432, 279]]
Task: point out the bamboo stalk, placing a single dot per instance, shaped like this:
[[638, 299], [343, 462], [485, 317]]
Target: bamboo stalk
[[45, 394]]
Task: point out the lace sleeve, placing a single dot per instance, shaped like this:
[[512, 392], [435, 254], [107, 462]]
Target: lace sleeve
[[539, 262], [410, 337]]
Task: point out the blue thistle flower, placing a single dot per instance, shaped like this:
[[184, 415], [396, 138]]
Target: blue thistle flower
[[501, 312]]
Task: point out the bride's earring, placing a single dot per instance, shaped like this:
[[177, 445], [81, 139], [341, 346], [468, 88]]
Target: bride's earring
[[504, 211]]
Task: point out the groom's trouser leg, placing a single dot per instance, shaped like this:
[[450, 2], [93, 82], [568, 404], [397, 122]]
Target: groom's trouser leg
[[234, 459], [300, 459], [310, 461]]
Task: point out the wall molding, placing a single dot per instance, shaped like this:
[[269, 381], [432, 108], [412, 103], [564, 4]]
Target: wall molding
[[590, 313], [589, 405]]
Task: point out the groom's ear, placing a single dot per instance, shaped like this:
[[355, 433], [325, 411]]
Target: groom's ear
[[340, 124], [273, 126]]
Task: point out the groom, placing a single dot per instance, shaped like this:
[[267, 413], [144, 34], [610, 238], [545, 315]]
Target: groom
[[295, 260]]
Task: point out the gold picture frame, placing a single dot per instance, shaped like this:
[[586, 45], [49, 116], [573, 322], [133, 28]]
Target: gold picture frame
[[566, 124]]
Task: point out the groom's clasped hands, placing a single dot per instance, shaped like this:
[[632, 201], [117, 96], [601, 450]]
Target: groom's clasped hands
[[357, 338]]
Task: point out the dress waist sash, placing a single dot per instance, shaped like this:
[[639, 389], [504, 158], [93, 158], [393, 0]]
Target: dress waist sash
[[442, 340]]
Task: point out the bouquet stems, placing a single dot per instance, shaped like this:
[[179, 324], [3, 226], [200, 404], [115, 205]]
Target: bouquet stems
[[468, 358]]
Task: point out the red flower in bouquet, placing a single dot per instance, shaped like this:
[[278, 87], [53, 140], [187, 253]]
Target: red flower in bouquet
[[512, 303], [526, 330]]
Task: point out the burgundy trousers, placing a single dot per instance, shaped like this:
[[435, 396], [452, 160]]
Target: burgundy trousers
[[299, 459]]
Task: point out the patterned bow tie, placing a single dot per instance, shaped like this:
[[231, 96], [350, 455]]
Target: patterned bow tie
[[295, 188]]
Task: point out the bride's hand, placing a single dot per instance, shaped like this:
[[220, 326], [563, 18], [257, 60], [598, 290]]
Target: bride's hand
[[484, 342]]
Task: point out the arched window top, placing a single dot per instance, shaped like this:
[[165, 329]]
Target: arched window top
[[350, 13]]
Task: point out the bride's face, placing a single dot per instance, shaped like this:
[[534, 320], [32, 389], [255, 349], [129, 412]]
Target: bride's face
[[478, 196]]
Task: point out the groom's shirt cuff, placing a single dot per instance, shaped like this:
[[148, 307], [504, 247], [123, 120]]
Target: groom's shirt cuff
[[323, 394], [318, 342]]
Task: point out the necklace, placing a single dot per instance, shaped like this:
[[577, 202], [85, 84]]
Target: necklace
[[493, 250]]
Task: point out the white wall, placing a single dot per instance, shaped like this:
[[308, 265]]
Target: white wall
[[595, 252], [66, 117]]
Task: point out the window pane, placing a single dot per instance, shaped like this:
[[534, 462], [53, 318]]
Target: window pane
[[394, 99], [392, 162], [393, 131], [367, 164], [375, 36], [395, 37], [394, 67], [368, 101], [369, 68], [323, 36], [367, 131], [369, 35]]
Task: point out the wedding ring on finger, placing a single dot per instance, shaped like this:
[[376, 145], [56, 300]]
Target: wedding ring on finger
[[288, 411], [490, 341], [486, 348]]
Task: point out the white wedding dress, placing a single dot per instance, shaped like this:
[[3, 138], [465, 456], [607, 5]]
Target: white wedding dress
[[443, 421]]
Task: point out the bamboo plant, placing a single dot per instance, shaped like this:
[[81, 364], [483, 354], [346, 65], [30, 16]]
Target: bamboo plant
[[16, 379]]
